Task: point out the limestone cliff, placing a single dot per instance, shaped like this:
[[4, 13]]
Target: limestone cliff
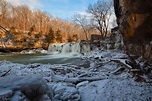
[[134, 18]]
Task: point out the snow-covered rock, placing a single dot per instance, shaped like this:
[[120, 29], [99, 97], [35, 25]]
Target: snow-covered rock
[[116, 90], [64, 92], [24, 87], [89, 79]]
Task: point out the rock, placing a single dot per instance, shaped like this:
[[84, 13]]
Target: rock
[[113, 41], [18, 96], [84, 83], [16, 87], [134, 19], [63, 92], [5, 95], [115, 90]]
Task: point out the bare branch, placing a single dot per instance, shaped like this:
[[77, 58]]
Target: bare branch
[[101, 11]]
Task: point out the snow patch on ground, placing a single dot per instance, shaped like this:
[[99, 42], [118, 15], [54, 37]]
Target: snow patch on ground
[[97, 64]]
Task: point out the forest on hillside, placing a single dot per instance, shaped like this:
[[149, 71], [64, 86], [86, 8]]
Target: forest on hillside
[[36, 28]]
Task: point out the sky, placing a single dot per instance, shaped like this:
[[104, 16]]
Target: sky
[[63, 9]]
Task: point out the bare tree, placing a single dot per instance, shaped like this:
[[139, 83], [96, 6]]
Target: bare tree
[[21, 15], [23, 19], [25, 13], [83, 22], [101, 12], [39, 19], [4, 7], [42, 20]]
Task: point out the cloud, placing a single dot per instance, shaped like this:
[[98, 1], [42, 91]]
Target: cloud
[[82, 13], [31, 3]]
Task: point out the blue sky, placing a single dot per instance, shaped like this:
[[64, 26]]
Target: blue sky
[[63, 9]]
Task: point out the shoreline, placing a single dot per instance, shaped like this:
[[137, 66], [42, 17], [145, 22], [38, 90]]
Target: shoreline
[[86, 82], [18, 50]]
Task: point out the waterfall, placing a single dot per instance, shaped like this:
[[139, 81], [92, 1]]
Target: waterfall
[[71, 48], [55, 48], [68, 48], [76, 47]]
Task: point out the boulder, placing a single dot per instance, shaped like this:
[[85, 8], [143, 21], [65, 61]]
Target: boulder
[[64, 92], [30, 88]]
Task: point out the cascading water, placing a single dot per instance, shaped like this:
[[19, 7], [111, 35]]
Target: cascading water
[[76, 47], [55, 48], [69, 48]]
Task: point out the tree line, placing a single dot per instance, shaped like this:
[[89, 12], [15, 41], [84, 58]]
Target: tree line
[[22, 19], [98, 16]]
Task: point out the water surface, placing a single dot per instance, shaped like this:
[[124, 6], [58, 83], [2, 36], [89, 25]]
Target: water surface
[[39, 58]]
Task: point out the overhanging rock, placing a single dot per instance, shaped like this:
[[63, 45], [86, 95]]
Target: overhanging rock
[[134, 18]]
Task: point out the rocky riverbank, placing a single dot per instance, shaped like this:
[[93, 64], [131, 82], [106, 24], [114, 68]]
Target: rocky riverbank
[[134, 21], [97, 77]]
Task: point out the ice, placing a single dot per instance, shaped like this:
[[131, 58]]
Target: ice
[[33, 51], [91, 79]]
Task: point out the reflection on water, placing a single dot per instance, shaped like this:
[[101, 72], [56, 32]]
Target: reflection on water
[[39, 58]]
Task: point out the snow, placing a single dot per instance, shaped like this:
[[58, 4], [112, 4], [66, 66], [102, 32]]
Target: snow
[[33, 51], [115, 89], [73, 81]]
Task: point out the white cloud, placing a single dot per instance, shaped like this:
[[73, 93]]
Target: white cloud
[[31, 3], [82, 13]]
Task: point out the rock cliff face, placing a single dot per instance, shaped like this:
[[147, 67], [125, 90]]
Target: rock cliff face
[[134, 18]]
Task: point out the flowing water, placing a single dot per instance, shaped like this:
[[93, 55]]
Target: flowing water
[[57, 54], [38, 58], [72, 48]]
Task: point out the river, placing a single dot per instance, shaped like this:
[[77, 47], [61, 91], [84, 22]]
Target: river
[[39, 58]]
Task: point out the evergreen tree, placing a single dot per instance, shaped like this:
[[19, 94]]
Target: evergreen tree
[[58, 36], [50, 36], [69, 38], [75, 37]]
